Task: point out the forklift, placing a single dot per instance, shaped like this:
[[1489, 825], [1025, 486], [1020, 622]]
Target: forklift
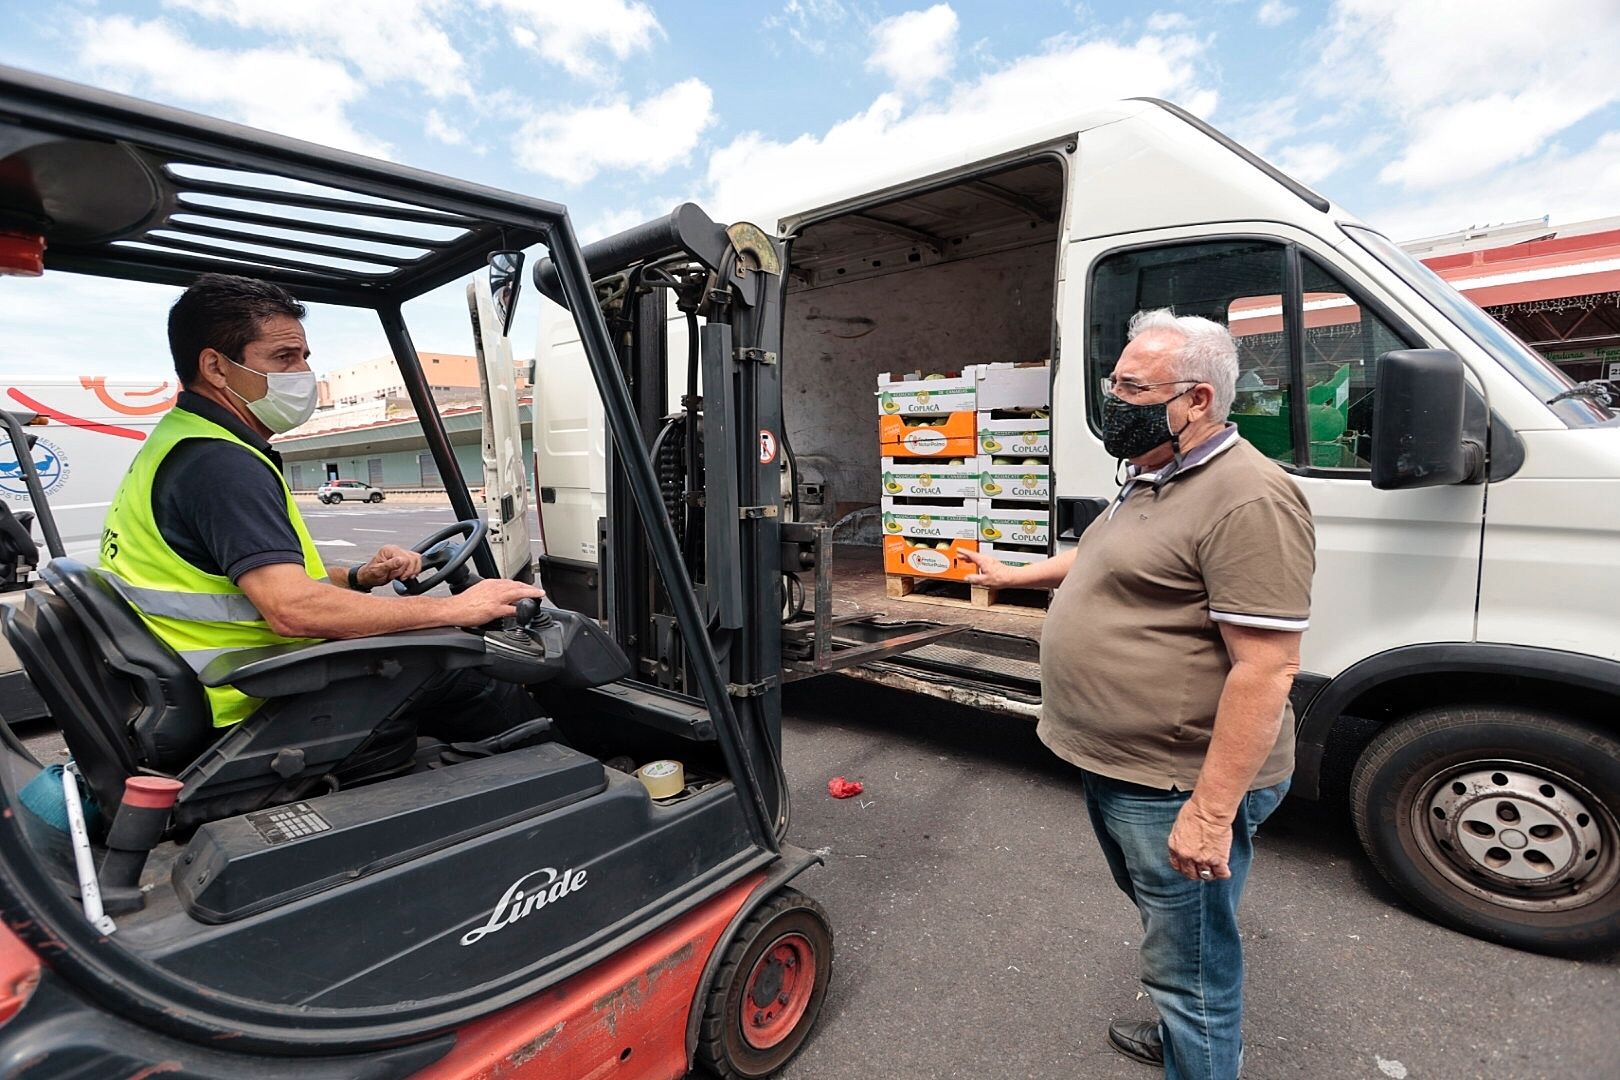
[[605, 891]]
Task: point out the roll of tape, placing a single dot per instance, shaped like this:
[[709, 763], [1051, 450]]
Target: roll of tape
[[662, 779]]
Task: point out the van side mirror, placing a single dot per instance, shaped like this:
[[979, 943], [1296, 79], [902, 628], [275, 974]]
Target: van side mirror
[[505, 279], [1418, 436]]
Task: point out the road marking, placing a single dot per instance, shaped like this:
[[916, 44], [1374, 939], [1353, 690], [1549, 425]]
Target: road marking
[[335, 543], [388, 531]]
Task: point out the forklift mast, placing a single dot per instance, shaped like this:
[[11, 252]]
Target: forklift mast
[[721, 460], [717, 462]]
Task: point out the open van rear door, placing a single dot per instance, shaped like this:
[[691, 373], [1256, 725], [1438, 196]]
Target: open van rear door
[[506, 488]]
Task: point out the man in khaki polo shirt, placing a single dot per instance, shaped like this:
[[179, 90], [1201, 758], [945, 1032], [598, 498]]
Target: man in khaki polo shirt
[[1166, 662]]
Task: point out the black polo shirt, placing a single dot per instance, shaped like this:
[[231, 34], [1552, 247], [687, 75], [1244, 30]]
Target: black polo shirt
[[217, 505]]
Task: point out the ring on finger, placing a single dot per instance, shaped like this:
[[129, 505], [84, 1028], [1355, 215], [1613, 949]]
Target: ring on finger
[[1206, 873]]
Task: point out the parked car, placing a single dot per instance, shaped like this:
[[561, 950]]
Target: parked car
[[335, 491]]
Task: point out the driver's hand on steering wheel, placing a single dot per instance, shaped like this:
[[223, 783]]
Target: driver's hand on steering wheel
[[391, 563], [490, 599]]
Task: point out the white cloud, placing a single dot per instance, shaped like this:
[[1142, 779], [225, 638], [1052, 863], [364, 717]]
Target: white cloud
[[1564, 185], [915, 48], [61, 326], [285, 90], [756, 174], [1310, 163], [437, 127], [650, 136], [1274, 13], [572, 34], [1473, 85], [386, 40], [1161, 22], [806, 22]]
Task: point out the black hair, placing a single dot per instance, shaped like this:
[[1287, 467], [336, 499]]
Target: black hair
[[222, 312]]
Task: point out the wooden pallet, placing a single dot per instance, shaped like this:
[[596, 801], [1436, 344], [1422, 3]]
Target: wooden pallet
[[1031, 602]]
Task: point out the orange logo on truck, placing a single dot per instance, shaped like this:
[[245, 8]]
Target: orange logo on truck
[[164, 393]]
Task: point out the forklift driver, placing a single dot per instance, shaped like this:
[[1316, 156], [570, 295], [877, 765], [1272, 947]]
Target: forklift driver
[[204, 540]]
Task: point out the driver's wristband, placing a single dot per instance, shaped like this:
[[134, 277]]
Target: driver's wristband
[[354, 580]]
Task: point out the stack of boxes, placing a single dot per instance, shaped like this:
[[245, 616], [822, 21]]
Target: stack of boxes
[[966, 467], [1013, 403]]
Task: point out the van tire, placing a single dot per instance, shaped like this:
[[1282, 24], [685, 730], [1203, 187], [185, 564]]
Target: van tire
[[374, 497], [336, 497], [1499, 822], [737, 1039]]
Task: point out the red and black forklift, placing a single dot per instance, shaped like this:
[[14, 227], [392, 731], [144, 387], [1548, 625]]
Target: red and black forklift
[[221, 903]]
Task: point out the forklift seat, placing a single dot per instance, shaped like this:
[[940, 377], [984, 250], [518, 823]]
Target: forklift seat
[[127, 703], [19, 555]]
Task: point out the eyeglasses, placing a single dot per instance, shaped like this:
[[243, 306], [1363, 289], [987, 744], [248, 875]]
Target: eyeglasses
[[1127, 389]]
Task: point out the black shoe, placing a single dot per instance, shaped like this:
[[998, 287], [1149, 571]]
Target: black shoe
[[1139, 1040]]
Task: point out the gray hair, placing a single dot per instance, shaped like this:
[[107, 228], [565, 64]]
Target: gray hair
[[1208, 353]]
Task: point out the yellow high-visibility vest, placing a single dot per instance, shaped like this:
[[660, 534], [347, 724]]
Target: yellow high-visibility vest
[[197, 614]]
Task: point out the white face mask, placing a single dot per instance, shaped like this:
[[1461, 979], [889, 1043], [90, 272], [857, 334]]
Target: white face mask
[[289, 398]]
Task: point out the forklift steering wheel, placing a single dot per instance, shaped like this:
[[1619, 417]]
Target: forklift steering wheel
[[443, 555]]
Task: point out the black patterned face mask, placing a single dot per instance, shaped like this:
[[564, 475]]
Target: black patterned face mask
[[1131, 430]]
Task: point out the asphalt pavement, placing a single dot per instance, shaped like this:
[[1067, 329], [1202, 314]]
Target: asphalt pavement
[[979, 935]]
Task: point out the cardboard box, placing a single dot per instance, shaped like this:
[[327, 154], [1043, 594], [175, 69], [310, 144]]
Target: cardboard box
[[931, 521], [1014, 556], [922, 479], [1012, 386], [925, 397], [922, 559], [946, 437], [1014, 524], [1021, 436], [1015, 481]]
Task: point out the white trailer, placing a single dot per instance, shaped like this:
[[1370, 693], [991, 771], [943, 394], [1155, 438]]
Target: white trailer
[[1461, 676]]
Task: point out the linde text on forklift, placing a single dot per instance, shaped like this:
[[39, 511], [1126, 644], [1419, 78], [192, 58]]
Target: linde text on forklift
[[514, 905]]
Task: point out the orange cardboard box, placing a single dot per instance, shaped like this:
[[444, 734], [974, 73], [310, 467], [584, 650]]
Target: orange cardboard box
[[919, 558], [953, 436]]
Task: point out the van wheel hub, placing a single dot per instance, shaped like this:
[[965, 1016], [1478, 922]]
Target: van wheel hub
[[1517, 833]]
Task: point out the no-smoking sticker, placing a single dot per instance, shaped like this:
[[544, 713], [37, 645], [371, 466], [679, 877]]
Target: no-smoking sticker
[[767, 446]]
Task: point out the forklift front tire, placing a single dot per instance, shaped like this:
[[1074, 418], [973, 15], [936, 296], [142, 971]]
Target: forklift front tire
[[767, 992]]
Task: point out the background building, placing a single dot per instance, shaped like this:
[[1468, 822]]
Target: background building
[[365, 428], [447, 374], [1556, 288], [383, 445]]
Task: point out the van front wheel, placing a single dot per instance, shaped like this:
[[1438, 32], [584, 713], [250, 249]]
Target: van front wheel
[[1498, 822]]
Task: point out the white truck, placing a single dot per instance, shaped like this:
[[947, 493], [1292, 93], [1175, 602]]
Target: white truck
[[92, 428], [1461, 676]]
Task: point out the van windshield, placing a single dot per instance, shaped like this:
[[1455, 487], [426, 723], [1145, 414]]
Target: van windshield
[[1538, 374]]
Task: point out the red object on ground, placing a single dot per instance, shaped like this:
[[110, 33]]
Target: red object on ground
[[839, 788]]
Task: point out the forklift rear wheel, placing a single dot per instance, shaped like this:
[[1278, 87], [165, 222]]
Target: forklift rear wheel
[[768, 989]]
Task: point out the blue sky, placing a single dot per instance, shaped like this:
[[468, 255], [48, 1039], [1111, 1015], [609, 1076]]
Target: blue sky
[[1422, 117]]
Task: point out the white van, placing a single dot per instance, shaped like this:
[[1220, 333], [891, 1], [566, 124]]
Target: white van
[[93, 428], [1461, 677]]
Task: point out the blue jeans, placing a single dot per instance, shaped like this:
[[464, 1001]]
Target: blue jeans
[[1192, 957]]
